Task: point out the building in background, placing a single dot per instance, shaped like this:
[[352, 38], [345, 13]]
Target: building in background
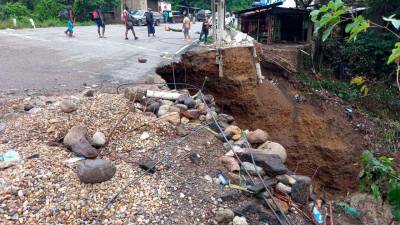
[[155, 5]]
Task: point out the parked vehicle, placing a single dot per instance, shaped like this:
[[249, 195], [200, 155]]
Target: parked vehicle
[[140, 18], [177, 17], [201, 15]]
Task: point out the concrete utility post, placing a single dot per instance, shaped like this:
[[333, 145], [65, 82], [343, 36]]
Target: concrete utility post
[[214, 20]]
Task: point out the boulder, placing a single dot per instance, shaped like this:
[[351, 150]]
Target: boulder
[[134, 93], [181, 131], [224, 215], [172, 117], [77, 142], [153, 107], [98, 139], [230, 163], [302, 178], [283, 188], [239, 221], [225, 118], [96, 171], [68, 106], [184, 120], [301, 192], [252, 169], [258, 137], [181, 99], [167, 102], [173, 108], [163, 110], [270, 147], [272, 164], [194, 113], [233, 130], [28, 106], [202, 108], [190, 102], [210, 115]]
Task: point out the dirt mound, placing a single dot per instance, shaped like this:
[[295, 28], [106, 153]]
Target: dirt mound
[[319, 138]]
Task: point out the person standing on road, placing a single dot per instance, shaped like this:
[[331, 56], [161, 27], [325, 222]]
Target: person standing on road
[[99, 19], [150, 23], [70, 24], [165, 15], [205, 29], [128, 20], [186, 27]]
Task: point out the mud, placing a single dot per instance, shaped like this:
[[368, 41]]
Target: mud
[[319, 139]]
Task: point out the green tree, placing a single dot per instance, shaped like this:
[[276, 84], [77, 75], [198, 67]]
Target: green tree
[[48, 9]]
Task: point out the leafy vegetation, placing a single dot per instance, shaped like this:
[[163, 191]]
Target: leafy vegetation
[[205, 4], [380, 178]]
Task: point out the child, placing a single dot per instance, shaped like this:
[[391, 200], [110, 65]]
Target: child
[[70, 28]]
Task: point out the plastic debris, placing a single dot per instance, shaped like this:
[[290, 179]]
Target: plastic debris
[[11, 155], [348, 209], [74, 159], [222, 179], [317, 215]]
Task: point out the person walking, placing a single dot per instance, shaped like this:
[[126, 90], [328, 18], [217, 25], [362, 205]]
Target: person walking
[[205, 29], [128, 20], [186, 27], [150, 23], [165, 15], [99, 19], [70, 24]]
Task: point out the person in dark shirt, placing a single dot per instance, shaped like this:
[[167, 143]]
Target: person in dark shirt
[[150, 23], [205, 29], [99, 19]]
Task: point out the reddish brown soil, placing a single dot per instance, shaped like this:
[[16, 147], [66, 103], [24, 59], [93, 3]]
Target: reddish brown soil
[[317, 135]]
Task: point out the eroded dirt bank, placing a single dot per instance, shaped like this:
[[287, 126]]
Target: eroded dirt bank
[[315, 131]]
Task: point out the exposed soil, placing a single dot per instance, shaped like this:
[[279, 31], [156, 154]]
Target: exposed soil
[[319, 138]]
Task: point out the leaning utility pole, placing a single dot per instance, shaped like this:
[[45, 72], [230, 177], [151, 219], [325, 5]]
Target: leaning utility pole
[[214, 20]]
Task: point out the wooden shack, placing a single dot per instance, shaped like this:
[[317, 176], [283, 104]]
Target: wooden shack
[[273, 24]]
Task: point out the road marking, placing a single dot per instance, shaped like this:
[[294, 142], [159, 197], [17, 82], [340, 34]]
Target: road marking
[[23, 36]]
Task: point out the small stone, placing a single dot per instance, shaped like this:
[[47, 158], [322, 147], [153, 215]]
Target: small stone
[[210, 115], [194, 158], [230, 163], [20, 193], [173, 118], [252, 169], [182, 106], [77, 142], [98, 139], [67, 207], [134, 93], [181, 195], [239, 221], [286, 179], [279, 206], [96, 170], [163, 110], [302, 178], [258, 137], [208, 178], [68, 106], [28, 106], [283, 188], [184, 120], [231, 195], [271, 163], [144, 136], [181, 131], [34, 110], [153, 107], [194, 113], [142, 60], [148, 165], [225, 118], [233, 130], [202, 118], [236, 137], [202, 108], [88, 93], [224, 215]]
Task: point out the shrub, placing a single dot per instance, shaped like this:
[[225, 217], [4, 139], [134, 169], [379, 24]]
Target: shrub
[[14, 10], [47, 9]]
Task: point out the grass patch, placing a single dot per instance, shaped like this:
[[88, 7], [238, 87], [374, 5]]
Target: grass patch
[[53, 22]]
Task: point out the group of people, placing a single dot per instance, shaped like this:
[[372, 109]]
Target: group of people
[[98, 18]]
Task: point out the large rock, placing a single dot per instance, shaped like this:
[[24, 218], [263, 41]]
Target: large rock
[[286, 179], [163, 110], [77, 142], [258, 137], [230, 163], [68, 106], [372, 211], [173, 118], [194, 113], [190, 102], [203, 108], [272, 164], [224, 216], [98, 139], [302, 178], [225, 118], [270, 147], [153, 107], [134, 93], [301, 192], [88, 93], [252, 169], [96, 171]]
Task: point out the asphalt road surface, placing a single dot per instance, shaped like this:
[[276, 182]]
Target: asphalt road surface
[[46, 60]]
